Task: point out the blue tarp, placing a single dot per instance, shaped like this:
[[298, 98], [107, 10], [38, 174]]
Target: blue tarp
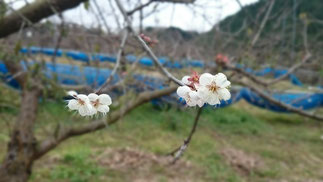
[[75, 75], [80, 56], [275, 72]]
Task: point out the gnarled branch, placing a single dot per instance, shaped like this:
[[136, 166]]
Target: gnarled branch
[[34, 12], [281, 104], [67, 133]]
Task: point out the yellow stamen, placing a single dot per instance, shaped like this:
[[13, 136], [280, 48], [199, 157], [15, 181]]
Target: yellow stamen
[[212, 87], [95, 103], [81, 102]]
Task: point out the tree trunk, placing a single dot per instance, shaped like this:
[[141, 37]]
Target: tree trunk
[[33, 13], [17, 164]]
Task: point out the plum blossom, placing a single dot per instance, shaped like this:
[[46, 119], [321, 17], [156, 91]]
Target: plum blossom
[[190, 96], [207, 88], [188, 92], [82, 104], [100, 102], [194, 78], [72, 93], [185, 80], [89, 105], [213, 88]]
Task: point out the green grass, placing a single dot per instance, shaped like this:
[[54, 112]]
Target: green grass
[[288, 147]]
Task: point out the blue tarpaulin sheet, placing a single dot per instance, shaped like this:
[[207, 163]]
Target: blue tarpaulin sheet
[[76, 75], [80, 56]]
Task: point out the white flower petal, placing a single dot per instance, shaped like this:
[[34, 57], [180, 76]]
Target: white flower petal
[[105, 99], [197, 100], [84, 111], [84, 98], [200, 103], [193, 95], [197, 86], [213, 100], [191, 103], [225, 84], [182, 91], [221, 80], [92, 111], [224, 94], [204, 93], [72, 93], [93, 97], [206, 79], [185, 80], [73, 104], [104, 109]]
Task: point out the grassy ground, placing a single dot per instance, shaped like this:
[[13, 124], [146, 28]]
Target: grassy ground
[[237, 143]]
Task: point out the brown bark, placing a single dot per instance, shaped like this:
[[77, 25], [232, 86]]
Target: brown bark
[[18, 161], [33, 13], [40, 9], [17, 164], [66, 133]]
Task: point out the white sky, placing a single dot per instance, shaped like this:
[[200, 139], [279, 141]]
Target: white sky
[[200, 17]]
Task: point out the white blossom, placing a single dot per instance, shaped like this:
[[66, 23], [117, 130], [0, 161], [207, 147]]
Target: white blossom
[[191, 97], [185, 80], [100, 102], [213, 88], [72, 93], [82, 104]]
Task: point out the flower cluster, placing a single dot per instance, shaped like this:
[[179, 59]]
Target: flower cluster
[[89, 105], [206, 88]]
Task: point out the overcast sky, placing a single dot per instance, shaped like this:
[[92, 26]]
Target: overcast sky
[[200, 17]]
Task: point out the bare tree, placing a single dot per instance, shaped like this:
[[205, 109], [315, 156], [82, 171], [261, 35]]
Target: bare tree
[[24, 148]]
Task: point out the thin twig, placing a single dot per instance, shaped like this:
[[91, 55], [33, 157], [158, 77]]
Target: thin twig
[[101, 16], [122, 45], [271, 82], [145, 46], [129, 13], [279, 103], [59, 38], [291, 70], [263, 23], [246, 74], [178, 152]]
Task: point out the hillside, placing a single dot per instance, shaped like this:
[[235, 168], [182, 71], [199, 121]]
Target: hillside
[[286, 17]]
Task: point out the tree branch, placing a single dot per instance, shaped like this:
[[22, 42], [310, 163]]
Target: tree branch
[[246, 74], [14, 68], [291, 70], [145, 46], [122, 45], [263, 23], [34, 12], [178, 152], [280, 104], [176, 1], [129, 13], [65, 134]]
